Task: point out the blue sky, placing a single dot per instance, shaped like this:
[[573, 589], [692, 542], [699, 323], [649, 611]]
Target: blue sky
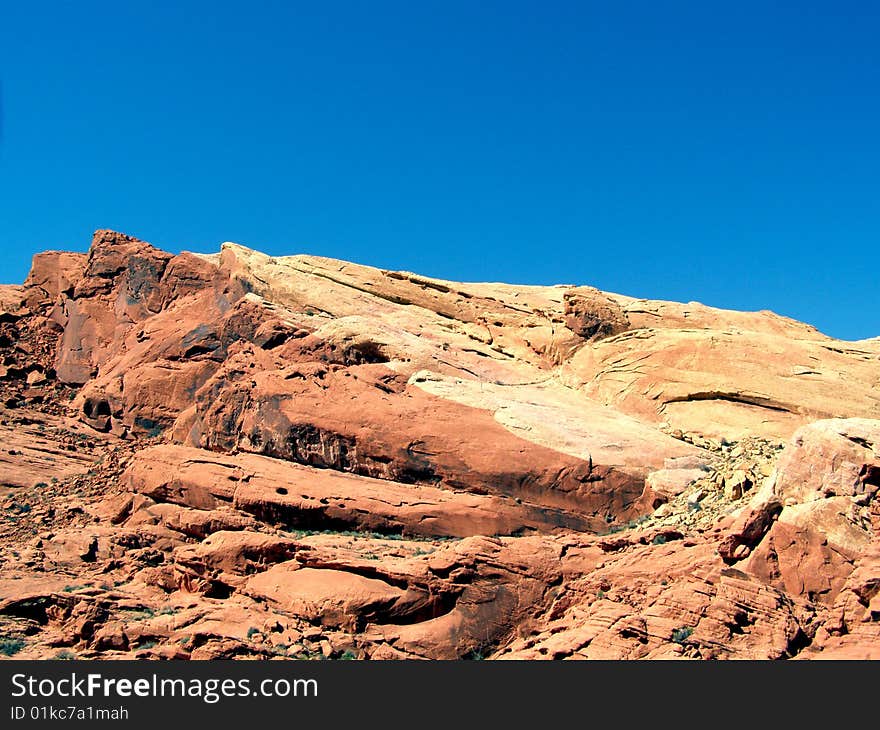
[[725, 153]]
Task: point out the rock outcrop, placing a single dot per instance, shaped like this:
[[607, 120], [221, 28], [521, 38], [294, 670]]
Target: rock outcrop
[[235, 455]]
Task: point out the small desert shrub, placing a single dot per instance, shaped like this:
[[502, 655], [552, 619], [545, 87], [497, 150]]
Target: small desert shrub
[[10, 646], [679, 636], [311, 656]]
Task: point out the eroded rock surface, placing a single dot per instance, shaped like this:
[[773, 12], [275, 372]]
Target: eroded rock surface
[[244, 456]]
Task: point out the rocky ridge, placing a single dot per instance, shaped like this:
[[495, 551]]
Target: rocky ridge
[[244, 456]]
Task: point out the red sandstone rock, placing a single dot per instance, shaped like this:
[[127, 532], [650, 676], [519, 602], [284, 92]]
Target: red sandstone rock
[[279, 492], [238, 456], [52, 274]]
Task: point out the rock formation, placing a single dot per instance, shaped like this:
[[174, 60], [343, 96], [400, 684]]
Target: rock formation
[[234, 455]]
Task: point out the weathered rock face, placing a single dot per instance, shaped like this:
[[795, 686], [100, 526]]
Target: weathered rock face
[[52, 274], [239, 455], [299, 497], [834, 458], [741, 375], [593, 315], [822, 497]]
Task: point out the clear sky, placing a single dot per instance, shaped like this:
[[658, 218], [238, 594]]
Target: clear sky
[[727, 153]]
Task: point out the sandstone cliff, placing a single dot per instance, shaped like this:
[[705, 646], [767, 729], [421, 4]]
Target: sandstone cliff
[[239, 455]]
